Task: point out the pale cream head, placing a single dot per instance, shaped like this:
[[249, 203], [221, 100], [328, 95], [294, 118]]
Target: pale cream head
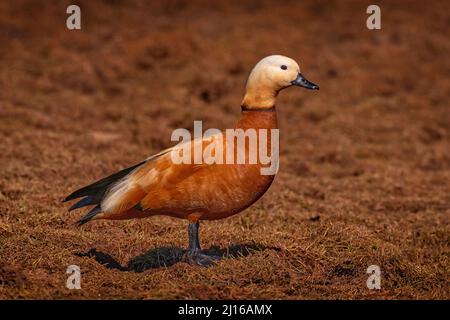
[[268, 77]]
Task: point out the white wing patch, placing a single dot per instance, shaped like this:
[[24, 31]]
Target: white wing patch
[[116, 194]]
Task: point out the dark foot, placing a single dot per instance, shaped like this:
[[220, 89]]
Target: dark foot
[[197, 258], [194, 255]]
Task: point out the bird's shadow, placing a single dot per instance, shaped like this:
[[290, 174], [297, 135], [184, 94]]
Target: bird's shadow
[[168, 255]]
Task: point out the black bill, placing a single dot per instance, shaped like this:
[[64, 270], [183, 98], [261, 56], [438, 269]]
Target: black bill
[[301, 81]]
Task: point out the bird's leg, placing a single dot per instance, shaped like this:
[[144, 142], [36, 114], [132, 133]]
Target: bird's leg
[[194, 254]]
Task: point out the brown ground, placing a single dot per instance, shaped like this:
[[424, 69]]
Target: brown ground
[[365, 162]]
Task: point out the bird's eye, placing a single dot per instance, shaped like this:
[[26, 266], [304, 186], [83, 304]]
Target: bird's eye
[[283, 67]]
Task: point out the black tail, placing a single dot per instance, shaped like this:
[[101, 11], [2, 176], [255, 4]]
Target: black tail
[[89, 215], [94, 193]]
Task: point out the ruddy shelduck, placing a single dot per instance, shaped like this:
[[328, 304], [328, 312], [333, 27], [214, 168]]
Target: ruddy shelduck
[[198, 191]]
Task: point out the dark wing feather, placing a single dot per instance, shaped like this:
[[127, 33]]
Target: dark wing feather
[[89, 215], [94, 193], [99, 188], [87, 201]]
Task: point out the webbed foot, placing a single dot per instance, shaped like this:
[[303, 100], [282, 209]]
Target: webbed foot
[[197, 258], [194, 255]]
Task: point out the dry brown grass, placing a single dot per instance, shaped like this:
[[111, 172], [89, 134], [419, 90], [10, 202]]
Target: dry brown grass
[[365, 163]]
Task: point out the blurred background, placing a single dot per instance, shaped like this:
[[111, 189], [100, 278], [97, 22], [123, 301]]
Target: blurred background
[[365, 161]]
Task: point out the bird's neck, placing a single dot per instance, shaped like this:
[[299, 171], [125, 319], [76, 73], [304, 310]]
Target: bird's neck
[[259, 97], [258, 118]]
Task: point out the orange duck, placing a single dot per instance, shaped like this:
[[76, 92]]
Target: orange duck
[[200, 190]]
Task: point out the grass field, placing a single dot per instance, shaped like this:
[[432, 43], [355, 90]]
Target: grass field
[[365, 162]]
